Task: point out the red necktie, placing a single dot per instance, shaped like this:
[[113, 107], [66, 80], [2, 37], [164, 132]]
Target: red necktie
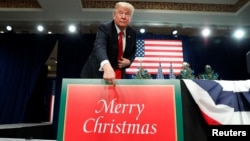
[[120, 45], [118, 72]]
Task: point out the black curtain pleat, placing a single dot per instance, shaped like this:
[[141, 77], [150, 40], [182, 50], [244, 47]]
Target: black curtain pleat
[[73, 51], [21, 59]]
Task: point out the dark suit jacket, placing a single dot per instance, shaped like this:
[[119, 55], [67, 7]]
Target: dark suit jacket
[[106, 48]]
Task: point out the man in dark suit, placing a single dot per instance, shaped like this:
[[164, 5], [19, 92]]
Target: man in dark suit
[[104, 61]]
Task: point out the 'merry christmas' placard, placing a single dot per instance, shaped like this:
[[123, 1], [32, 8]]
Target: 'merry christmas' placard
[[133, 110]]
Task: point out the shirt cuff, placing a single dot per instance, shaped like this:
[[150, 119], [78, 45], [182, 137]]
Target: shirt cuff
[[103, 63]]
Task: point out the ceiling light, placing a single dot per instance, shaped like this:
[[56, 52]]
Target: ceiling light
[[9, 28], [175, 32], [239, 33], [72, 28], [205, 32], [142, 30], [40, 28]]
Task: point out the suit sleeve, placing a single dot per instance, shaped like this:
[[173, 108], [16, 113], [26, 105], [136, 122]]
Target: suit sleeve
[[101, 44]]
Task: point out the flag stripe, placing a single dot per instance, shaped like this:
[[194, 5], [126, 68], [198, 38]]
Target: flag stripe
[[219, 103], [162, 54], [155, 71], [156, 64], [177, 48], [165, 59], [163, 42], [152, 52]]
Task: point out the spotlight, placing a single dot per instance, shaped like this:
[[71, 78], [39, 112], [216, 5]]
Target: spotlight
[[9, 28], [142, 30], [40, 28], [239, 34], [72, 28], [174, 32], [205, 32]]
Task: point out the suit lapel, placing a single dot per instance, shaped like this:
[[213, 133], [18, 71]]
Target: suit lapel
[[115, 39], [128, 40]]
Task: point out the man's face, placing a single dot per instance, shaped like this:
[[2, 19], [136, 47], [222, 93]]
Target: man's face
[[122, 17]]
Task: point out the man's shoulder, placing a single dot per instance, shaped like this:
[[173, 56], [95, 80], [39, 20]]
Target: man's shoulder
[[107, 23]]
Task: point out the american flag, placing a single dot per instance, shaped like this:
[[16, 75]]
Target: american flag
[[151, 52]]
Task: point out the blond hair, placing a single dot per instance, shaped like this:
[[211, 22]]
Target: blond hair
[[125, 4]]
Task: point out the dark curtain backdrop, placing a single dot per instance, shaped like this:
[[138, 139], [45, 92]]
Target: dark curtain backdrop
[[73, 51], [22, 60], [22, 70], [227, 56]]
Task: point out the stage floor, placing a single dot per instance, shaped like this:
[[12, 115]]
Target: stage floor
[[27, 132], [22, 125]]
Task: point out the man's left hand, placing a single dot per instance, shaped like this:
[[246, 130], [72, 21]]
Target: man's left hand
[[123, 62]]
